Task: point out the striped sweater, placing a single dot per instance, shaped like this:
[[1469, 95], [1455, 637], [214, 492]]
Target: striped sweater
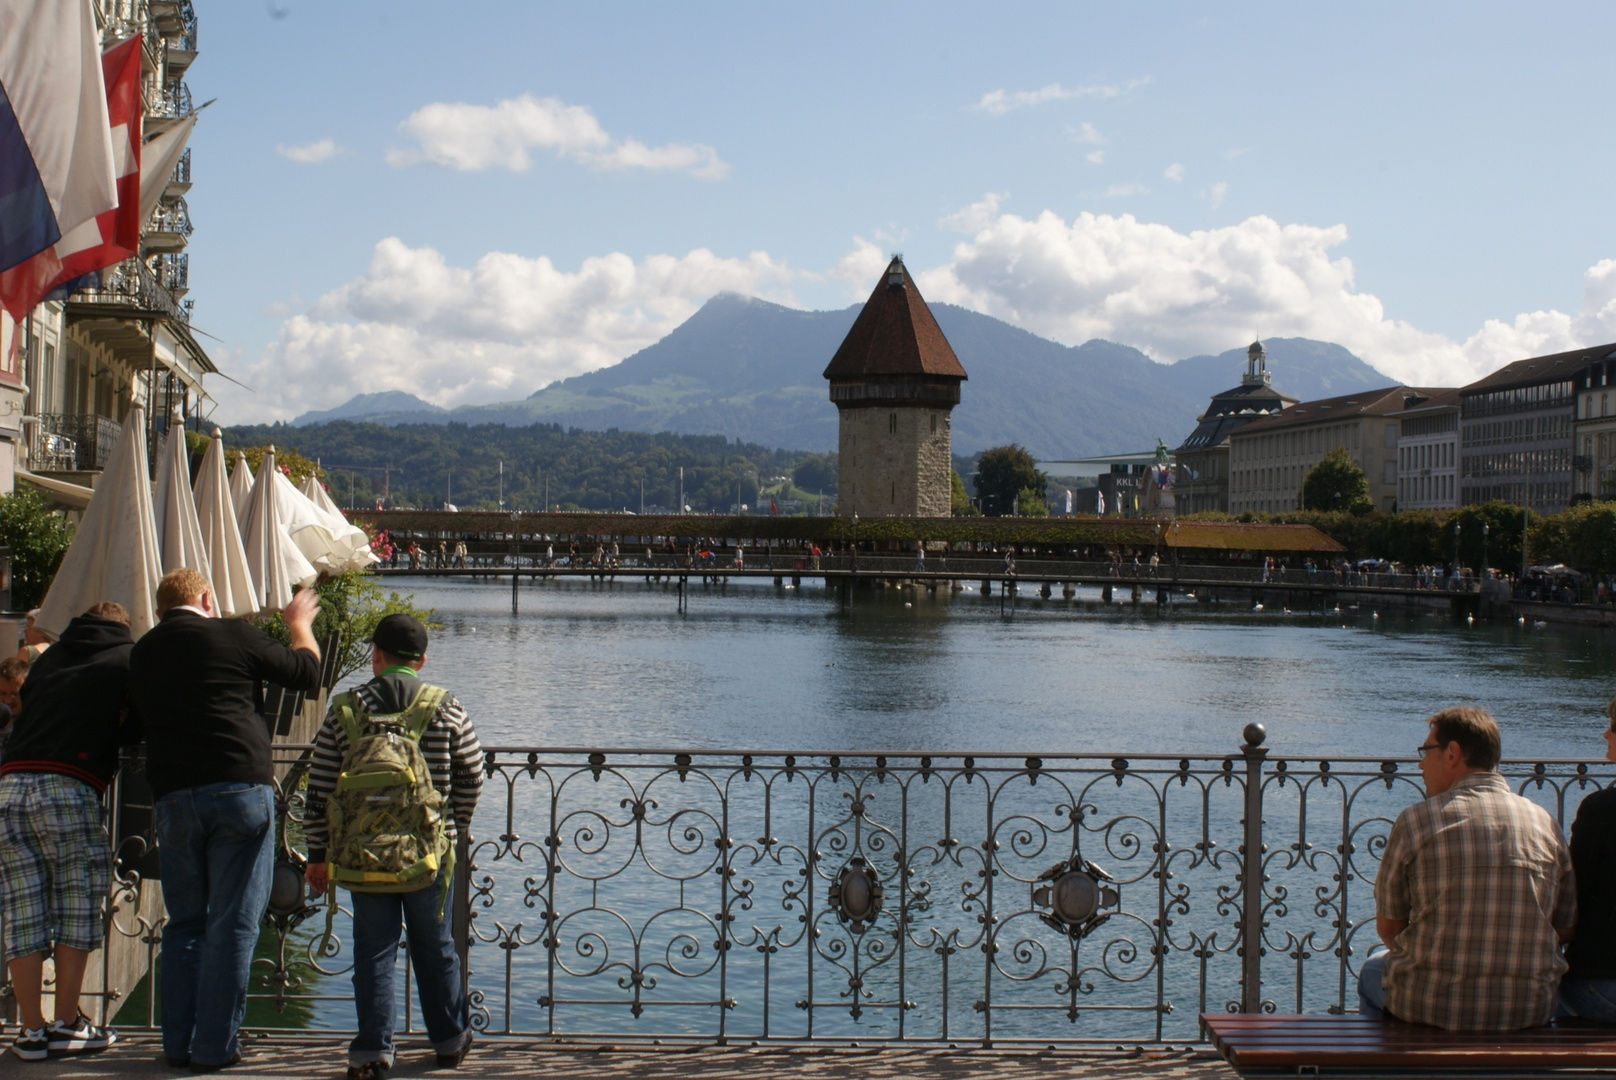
[[449, 744]]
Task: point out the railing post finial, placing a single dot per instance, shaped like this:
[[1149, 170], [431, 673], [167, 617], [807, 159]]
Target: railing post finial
[[1251, 871]]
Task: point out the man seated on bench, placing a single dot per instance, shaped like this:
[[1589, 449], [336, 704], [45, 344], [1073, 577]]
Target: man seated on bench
[[1474, 896]]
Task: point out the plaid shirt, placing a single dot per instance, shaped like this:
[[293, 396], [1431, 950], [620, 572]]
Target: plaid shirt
[[1483, 877]]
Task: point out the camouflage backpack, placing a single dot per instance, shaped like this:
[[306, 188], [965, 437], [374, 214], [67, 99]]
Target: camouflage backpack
[[385, 819]]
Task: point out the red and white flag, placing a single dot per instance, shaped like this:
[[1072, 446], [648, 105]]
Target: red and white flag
[[112, 236]]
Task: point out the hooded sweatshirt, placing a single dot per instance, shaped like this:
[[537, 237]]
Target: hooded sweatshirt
[[73, 702]]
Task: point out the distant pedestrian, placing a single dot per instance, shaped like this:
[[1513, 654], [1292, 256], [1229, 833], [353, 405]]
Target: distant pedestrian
[[920, 558], [443, 555], [460, 554], [549, 554], [396, 718], [740, 557], [35, 640], [1155, 563], [197, 682], [55, 854]]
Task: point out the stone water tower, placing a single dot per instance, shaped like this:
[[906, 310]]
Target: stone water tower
[[895, 380]]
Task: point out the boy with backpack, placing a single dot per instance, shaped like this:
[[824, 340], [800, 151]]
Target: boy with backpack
[[394, 779]]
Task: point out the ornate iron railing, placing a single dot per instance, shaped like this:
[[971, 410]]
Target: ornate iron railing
[[81, 441], [948, 898]]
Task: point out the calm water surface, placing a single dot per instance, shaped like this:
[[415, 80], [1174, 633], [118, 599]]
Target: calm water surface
[[755, 667]]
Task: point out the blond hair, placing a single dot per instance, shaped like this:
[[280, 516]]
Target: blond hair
[[180, 588]]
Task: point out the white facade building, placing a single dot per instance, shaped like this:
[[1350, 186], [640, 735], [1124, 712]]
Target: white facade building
[[1428, 452]]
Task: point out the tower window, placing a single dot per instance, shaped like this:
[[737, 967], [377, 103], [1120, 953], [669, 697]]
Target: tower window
[[892, 423], [894, 492], [934, 423]]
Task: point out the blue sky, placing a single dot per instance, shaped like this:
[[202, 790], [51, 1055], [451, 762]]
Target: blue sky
[[468, 201]]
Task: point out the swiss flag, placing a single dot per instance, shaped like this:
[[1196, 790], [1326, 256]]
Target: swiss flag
[[112, 236]]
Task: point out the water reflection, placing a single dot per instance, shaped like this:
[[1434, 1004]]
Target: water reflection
[[752, 666]]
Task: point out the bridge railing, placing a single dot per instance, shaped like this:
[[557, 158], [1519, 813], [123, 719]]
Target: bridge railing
[[932, 898]]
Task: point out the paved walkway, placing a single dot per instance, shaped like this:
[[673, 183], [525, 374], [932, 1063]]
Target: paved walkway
[[139, 1057]]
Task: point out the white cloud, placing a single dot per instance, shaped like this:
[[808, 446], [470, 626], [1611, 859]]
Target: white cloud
[[1219, 192], [497, 330], [1096, 156], [474, 137], [1087, 133], [1175, 171], [1174, 294], [860, 266], [999, 102], [309, 153]]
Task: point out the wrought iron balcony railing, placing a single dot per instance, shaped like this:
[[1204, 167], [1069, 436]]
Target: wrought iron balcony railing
[[76, 441], [131, 284], [992, 898]]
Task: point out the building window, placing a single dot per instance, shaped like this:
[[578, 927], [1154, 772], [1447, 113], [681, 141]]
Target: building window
[[934, 423], [892, 424]]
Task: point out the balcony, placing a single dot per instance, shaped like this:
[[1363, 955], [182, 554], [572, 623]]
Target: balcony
[[166, 108], [173, 272], [179, 182], [74, 443], [130, 291], [168, 229]]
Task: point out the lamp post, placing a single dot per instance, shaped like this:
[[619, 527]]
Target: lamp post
[[1456, 552], [1485, 530]]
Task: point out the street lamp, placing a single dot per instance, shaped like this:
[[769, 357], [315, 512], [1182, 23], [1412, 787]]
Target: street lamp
[[1456, 551], [1485, 529]]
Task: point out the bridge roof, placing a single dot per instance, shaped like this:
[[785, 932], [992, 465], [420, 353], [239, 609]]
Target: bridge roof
[[895, 335], [1075, 531]]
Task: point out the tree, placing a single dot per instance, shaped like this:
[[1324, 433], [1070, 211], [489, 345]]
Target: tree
[[38, 539], [1002, 474], [1030, 503], [1336, 483], [351, 604], [959, 503], [816, 473]]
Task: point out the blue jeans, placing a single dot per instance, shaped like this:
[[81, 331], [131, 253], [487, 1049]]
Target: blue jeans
[[433, 959], [1371, 994], [1591, 999], [216, 845]]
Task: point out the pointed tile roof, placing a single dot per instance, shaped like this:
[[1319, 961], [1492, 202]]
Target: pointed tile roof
[[895, 335]]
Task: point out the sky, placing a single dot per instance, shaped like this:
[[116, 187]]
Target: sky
[[469, 201]]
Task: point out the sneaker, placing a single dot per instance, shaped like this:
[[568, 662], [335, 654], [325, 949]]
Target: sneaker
[[31, 1045], [79, 1037], [452, 1061], [370, 1070]]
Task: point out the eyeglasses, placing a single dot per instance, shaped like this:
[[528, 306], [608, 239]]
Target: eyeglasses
[[1421, 751]]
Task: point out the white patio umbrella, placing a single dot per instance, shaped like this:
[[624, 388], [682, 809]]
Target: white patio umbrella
[[320, 531], [241, 485], [114, 554], [276, 564], [221, 537], [179, 535]]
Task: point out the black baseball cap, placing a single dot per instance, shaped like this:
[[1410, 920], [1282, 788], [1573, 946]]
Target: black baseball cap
[[400, 635]]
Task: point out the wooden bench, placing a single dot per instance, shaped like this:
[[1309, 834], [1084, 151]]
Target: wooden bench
[[1265, 1042]]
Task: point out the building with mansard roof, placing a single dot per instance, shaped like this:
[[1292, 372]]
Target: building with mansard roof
[[1203, 457], [895, 381]]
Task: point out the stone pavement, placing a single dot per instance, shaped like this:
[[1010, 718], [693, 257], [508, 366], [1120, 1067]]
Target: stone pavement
[[138, 1056]]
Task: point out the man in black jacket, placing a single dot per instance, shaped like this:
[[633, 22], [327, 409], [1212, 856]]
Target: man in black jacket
[[197, 681], [55, 855]]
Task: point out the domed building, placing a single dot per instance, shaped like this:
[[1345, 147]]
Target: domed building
[[1203, 457]]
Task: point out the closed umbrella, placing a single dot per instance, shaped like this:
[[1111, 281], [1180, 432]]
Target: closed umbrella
[[114, 554], [241, 485], [276, 564], [221, 536], [179, 535]]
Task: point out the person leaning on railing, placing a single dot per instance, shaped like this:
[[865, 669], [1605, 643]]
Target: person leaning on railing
[[1474, 896], [197, 681], [55, 854], [1589, 987]]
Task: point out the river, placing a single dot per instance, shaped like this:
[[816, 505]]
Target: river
[[752, 666]]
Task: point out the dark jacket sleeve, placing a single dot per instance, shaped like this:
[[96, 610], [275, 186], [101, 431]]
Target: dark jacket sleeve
[[274, 662]]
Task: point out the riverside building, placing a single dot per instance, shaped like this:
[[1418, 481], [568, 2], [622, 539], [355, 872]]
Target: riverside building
[[1428, 452], [1516, 431], [1203, 457], [87, 357], [895, 381], [1268, 458], [1593, 460]]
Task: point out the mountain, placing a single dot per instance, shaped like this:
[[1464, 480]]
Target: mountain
[[387, 407], [750, 370]]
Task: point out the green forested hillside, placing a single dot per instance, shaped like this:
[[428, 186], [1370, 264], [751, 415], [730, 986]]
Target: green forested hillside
[[585, 470]]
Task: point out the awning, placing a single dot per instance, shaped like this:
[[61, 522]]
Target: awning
[[74, 496]]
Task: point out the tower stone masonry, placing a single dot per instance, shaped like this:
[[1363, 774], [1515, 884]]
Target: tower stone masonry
[[895, 381]]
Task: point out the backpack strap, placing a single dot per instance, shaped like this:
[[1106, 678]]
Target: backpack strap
[[419, 716], [351, 714]]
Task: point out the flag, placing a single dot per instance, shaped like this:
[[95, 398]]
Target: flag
[[56, 155], [111, 236], [773, 509], [1102, 504], [1068, 500]]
